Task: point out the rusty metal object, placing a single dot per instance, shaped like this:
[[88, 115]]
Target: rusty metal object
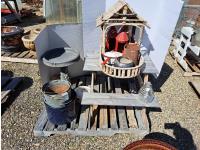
[[132, 52], [149, 144], [57, 93]]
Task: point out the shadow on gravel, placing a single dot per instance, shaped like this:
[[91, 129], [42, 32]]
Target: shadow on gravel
[[183, 138], [24, 84], [162, 78], [6, 73]]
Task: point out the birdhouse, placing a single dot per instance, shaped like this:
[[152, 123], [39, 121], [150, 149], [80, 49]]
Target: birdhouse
[[122, 31]]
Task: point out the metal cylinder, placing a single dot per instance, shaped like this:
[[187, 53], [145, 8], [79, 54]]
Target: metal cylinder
[[59, 101]]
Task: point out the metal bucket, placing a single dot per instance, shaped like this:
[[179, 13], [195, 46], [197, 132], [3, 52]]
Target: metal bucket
[[59, 101], [57, 93]]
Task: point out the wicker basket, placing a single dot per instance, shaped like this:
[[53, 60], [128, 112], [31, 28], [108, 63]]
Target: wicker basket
[[118, 72], [28, 41]]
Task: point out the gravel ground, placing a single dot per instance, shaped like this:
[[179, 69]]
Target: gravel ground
[[178, 102]]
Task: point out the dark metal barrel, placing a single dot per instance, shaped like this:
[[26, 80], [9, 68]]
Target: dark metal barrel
[[59, 101]]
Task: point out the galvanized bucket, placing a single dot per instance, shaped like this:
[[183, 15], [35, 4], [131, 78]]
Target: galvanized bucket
[[59, 101], [62, 115], [57, 93]]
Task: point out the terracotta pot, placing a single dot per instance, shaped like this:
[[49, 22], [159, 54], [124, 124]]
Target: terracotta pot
[[28, 41], [132, 52], [149, 144]]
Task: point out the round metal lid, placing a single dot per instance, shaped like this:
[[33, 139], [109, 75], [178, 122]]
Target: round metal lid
[[60, 57]]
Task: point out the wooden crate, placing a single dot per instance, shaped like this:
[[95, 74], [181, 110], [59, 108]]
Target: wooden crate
[[193, 69], [94, 120], [22, 57]]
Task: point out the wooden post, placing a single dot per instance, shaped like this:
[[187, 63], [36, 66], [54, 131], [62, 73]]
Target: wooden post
[[146, 78]]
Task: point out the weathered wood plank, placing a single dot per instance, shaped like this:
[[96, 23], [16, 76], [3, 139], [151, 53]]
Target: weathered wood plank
[[40, 124], [62, 127], [117, 99], [95, 108], [49, 127], [15, 54], [6, 54], [83, 121], [103, 118], [113, 118], [144, 118], [121, 110], [19, 60], [112, 109], [132, 122], [138, 116], [23, 54]]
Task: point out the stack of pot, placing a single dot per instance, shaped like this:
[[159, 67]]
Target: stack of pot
[[59, 101], [11, 38], [28, 40]]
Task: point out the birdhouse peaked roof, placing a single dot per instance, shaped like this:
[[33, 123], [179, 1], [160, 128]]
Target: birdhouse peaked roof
[[116, 12]]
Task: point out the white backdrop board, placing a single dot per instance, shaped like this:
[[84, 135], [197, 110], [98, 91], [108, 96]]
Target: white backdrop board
[[161, 15]]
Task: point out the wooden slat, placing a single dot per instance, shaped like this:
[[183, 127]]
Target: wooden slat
[[103, 118], [49, 126], [138, 115], [19, 60], [144, 118], [83, 121], [7, 54], [121, 110], [94, 116], [132, 122], [40, 124], [112, 109], [23, 54], [194, 67], [62, 127], [117, 99], [2, 53], [113, 118], [15, 54], [95, 109]]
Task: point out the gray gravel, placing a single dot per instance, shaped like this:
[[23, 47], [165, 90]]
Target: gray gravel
[[178, 101]]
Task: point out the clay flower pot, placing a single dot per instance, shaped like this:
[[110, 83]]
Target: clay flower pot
[[28, 41], [149, 144], [132, 52]]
